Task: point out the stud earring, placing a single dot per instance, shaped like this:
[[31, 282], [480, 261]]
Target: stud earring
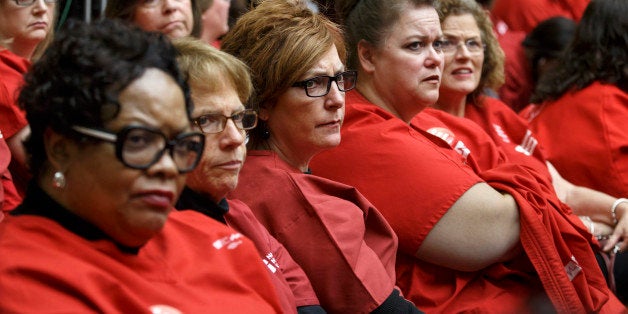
[[58, 180], [266, 134]]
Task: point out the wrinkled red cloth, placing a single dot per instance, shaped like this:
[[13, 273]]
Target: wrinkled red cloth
[[413, 177], [340, 240]]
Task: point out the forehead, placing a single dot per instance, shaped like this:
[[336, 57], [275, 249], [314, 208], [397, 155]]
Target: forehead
[[463, 25], [223, 100], [422, 20], [154, 99]]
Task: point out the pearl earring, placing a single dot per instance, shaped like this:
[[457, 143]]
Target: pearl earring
[[58, 180]]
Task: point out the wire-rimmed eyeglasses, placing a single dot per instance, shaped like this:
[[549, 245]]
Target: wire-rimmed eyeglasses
[[319, 86], [473, 45], [216, 122], [25, 3], [141, 147]]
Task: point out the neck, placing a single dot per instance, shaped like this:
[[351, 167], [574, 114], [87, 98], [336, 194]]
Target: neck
[[294, 160], [366, 87], [24, 50], [452, 104]]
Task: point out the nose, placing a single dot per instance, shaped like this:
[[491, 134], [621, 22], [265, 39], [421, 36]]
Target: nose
[[335, 99], [434, 58], [40, 6], [231, 135], [165, 166]]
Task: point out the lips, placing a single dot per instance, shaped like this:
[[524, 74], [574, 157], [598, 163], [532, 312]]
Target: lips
[[157, 198], [330, 123], [432, 78], [230, 165], [462, 71]]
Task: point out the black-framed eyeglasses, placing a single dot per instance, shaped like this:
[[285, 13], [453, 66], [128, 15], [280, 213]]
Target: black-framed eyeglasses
[[319, 86], [473, 45], [216, 122], [140, 147], [25, 3]]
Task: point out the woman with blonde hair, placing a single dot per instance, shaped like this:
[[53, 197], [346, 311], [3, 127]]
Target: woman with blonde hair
[[26, 28]]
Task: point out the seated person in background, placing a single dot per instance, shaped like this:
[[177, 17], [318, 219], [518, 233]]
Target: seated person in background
[[26, 27], [473, 62], [472, 238], [535, 54], [214, 20], [525, 15], [341, 241], [220, 85], [174, 19], [110, 145], [582, 104]]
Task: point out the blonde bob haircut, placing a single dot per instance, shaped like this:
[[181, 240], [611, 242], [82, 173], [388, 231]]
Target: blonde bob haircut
[[209, 70], [280, 40]]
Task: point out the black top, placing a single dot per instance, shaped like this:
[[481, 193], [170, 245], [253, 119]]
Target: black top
[[202, 204]]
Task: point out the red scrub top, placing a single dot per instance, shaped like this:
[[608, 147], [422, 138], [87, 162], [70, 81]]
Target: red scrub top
[[193, 265], [340, 240], [584, 136]]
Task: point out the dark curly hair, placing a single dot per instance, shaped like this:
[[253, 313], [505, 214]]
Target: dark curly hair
[[82, 73], [598, 52]]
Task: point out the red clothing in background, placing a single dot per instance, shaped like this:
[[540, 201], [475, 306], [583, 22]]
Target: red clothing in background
[[12, 69], [12, 118], [190, 266], [9, 197], [340, 240], [523, 16], [408, 174], [584, 135]]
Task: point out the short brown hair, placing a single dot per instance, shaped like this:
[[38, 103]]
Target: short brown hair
[[280, 40]]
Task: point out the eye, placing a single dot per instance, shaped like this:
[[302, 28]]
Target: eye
[[140, 139], [208, 120], [439, 45], [314, 82], [474, 44], [416, 45], [149, 2]]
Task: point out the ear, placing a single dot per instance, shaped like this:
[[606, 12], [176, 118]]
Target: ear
[[59, 149], [366, 55], [264, 114]]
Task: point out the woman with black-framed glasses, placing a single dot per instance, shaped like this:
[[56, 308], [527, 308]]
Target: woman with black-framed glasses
[[110, 147], [339, 239]]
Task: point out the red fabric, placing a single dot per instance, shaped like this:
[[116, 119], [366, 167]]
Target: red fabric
[[294, 288], [584, 136], [341, 241], [525, 15], [518, 84], [12, 69], [509, 131], [51, 270], [394, 165], [543, 216], [9, 197], [12, 118]]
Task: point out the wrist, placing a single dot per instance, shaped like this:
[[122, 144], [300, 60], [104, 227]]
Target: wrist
[[615, 209]]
